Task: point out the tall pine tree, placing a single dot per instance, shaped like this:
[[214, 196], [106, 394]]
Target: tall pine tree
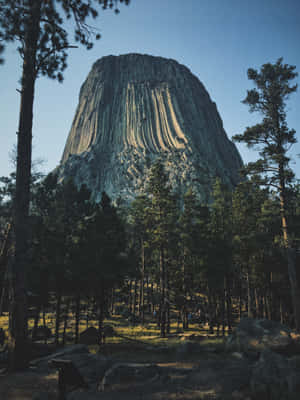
[[273, 138]]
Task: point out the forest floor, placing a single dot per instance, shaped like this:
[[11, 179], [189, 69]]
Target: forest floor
[[192, 366]]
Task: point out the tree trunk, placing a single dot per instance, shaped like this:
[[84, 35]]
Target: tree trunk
[[211, 311], [44, 316], [66, 318], [77, 317], [112, 301], [87, 315], [168, 313], [101, 319], [148, 294], [141, 310], [184, 312], [18, 294], [152, 298], [129, 295], [249, 296], [4, 270], [223, 308], [256, 310], [134, 297], [162, 295], [294, 286], [290, 252], [228, 304], [36, 319], [57, 319]]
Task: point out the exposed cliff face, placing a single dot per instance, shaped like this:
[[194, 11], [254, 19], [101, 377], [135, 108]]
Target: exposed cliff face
[[134, 108]]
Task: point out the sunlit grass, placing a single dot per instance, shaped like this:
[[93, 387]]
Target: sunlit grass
[[128, 334]]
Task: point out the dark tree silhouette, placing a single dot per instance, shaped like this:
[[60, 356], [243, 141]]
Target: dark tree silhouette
[[39, 27]]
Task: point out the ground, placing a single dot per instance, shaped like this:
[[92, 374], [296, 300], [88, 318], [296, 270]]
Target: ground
[[191, 364]]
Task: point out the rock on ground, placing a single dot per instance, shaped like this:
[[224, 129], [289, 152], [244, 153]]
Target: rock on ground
[[255, 335]]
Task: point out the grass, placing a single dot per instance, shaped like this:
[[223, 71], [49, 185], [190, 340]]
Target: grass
[[133, 338]]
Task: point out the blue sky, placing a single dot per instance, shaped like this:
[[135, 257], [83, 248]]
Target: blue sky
[[217, 39]]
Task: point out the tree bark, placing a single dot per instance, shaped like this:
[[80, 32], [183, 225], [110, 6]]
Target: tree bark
[[36, 319], [4, 257], [228, 304], [112, 301], [101, 302], [142, 294], [135, 297], [77, 317], [18, 294], [66, 318], [129, 295], [162, 294], [57, 317], [290, 252], [249, 296]]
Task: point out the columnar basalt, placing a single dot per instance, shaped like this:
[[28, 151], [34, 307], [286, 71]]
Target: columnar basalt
[[134, 108]]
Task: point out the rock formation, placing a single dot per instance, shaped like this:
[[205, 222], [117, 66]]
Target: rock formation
[[134, 108]]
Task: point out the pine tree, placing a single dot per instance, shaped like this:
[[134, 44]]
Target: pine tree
[[140, 221], [273, 138], [162, 230], [191, 246]]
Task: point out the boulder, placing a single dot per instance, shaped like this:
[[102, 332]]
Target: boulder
[[252, 336], [224, 376], [4, 357], [89, 336], [193, 336], [125, 375], [42, 396], [42, 363], [2, 336], [84, 395], [42, 333], [294, 363], [235, 375], [185, 349], [108, 331], [133, 319], [273, 378], [91, 366], [37, 350]]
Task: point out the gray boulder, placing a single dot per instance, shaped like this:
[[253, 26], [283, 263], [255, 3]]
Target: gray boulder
[[65, 353], [42, 396], [227, 377], [91, 366], [252, 336], [273, 378], [42, 332], [89, 336], [124, 375], [186, 348]]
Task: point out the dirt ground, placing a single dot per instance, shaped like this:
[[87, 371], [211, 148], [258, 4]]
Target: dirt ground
[[27, 385], [193, 379], [24, 385]]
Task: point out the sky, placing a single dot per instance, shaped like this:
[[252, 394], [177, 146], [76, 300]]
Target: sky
[[218, 40]]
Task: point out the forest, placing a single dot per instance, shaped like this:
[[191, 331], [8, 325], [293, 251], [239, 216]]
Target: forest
[[160, 258], [169, 256]]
